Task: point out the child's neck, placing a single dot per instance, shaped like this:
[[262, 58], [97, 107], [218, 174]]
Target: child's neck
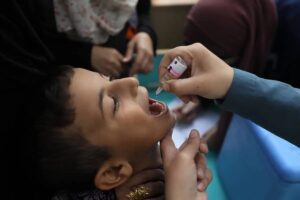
[[151, 160]]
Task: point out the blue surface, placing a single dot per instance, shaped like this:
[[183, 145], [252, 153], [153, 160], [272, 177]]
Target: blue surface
[[255, 164], [215, 189], [283, 156]]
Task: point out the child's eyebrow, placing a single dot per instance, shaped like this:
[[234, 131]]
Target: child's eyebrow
[[100, 101]]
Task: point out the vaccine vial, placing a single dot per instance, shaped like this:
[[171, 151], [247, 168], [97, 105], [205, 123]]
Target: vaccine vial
[[174, 71]]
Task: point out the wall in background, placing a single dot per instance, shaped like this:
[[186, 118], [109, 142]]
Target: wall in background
[[168, 17]]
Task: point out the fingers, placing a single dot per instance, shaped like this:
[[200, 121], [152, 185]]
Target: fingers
[[185, 98], [116, 61], [148, 64], [129, 51], [168, 149], [183, 87], [143, 62], [203, 173], [191, 148], [141, 44], [114, 70], [107, 61], [201, 167], [164, 63], [203, 147], [170, 55], [138, 61], [203, 184], [186, 112], [208, 176]]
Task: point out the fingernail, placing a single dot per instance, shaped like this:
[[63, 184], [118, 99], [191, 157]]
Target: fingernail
[[126, 59], [194, 134], [204, 148]]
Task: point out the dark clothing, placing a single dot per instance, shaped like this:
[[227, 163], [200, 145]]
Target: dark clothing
[[234, 28], [287, 43], [25, 61], [271, 104]]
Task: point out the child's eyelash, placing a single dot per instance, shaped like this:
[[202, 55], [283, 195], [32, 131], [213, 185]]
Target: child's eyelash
[[116, 104]]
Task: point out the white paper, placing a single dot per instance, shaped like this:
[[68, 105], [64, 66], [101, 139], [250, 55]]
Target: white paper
[[203, 122]]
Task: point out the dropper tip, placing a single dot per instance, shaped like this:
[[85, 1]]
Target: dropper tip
[[159, 89]]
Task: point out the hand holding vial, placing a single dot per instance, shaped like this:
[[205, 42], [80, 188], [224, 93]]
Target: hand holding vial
[[174, 71], [206, 74]]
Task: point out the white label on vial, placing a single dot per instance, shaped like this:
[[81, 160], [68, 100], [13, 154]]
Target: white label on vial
[[177, 67]]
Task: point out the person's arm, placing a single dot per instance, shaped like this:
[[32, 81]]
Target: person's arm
[[144, 21], [144, 42], [272, 104]]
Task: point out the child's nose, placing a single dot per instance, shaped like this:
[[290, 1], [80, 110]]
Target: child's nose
[[130, 84]]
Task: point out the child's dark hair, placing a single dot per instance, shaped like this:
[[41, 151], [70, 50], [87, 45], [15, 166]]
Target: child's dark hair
[[66, 160]]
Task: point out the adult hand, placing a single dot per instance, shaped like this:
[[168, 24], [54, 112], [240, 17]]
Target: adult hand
[[141, 44], [187, 112], [107, 61], [152, 180], [186, 175], [207, 75]]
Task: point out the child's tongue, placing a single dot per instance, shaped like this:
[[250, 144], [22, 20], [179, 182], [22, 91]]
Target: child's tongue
[[155, 107]]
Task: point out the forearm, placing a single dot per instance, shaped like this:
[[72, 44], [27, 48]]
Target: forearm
[[271, 104]]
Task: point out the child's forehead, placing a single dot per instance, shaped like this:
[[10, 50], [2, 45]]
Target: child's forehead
[[87, 79]]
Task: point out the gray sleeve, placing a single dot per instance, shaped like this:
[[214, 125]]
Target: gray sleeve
[[271, 104]]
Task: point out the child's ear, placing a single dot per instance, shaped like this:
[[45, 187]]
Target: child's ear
[[112, 173]]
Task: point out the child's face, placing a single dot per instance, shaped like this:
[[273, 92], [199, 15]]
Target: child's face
[[117, 114]]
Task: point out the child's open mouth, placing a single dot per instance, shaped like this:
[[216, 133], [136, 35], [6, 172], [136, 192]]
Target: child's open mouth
[[157, 108]]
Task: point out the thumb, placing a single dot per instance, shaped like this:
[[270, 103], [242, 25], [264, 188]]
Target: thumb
[[181, 87], [191, 147], [129, 51], [168, 149]]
